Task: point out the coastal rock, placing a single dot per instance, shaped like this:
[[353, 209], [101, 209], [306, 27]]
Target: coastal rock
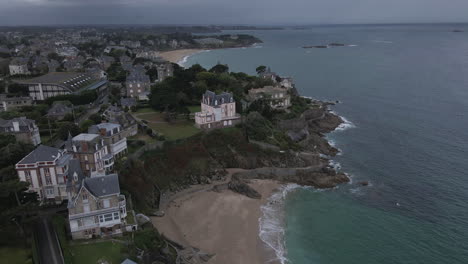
[[363, 183], [319, 177], [336, 45], [316, 47], [239, 185]]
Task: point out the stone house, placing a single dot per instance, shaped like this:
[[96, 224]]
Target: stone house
[[46, 170], [114, 114], [93, 154], [19, 66], [10, 103], [96, 207], [165, 70], [113, 137], [277, 97], [59, 110], [138, 83], [217, 111], [24, 130]]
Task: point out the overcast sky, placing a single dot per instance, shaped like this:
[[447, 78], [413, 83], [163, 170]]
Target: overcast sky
[[261, 12]]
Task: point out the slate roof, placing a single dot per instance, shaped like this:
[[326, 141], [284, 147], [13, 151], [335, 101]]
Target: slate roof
[[213, 99], [59, 109], [41, 153], [110, 128], [74, 167], [103, 185], [138, 75], [129, 102], [71, 80], [25, 125]]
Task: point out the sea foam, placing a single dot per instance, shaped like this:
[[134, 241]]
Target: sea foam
[[345, 125], [272, 222]]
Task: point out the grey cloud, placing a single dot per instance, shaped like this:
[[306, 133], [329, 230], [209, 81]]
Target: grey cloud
[[229, 12]]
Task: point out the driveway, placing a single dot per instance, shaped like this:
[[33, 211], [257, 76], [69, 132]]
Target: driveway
[[48, 244]]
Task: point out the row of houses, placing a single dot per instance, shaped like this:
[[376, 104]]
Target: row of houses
[[82, 174], [219, 110]]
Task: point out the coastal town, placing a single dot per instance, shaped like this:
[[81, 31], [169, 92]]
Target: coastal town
[[104, 136]]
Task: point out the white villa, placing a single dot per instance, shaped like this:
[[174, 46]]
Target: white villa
[[217, 111]]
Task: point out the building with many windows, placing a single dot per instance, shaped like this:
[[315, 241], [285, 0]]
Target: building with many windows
[[95, 206], [217, 111], [46, 169], [9, 103], [25, 130], [138, 83], [277, 97], [93, 154], [61, 83], [113, 137]]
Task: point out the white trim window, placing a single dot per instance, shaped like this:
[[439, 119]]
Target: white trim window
[[106, 203]]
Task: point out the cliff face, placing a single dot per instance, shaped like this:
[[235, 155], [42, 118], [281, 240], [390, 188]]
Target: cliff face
[[309, 129]]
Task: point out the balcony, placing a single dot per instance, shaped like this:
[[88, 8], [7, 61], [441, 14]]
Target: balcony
[[119, 146], [108, 161]]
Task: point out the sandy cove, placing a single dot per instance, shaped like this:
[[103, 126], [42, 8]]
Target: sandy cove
[[225, 224], [176, 56]]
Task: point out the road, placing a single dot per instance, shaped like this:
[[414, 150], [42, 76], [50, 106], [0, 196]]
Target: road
[[48, 244]]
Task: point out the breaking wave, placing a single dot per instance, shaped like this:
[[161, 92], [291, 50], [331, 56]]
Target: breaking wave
[[272, 222]]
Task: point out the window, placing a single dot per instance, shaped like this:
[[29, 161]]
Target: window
[[105, 218], [50, 192], [84, 196], [86, 208], [116, 216], [48, 180], [106, 203], [28, 176], [86, 157], [138, 87]]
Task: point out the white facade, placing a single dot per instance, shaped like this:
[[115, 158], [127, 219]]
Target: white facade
[[46, 178], [19, 69]]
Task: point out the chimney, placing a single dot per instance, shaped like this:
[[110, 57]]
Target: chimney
[[84, 146]]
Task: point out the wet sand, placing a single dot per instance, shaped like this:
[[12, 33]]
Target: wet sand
[[176, 56], [225, 224]]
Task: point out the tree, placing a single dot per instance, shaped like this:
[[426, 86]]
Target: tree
[[85, 125], [152, 73], [220, 68], [261, 69], [18, 89], [66, 128], [96, 118]]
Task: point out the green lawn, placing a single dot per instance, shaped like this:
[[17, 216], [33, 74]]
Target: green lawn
[[14, 256], [151, 116], [130, 218], [144, 110], [92, 253], [194, 108], [176, 130]]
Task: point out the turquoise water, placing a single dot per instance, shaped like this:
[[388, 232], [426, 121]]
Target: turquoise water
[[405, 90]]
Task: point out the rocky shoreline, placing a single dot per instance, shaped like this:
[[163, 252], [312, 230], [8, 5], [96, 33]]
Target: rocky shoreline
[[308, 168]]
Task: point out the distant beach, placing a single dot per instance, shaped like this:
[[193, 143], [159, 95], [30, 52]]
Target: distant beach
[[222, 223], [178, 56]]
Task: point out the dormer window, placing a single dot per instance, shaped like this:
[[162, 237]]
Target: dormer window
[[75, 177]]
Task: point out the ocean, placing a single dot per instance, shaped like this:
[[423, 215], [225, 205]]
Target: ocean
[[404, 91]]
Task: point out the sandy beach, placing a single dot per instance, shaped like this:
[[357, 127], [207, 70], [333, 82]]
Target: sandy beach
[[225, 224], [177, 56]]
